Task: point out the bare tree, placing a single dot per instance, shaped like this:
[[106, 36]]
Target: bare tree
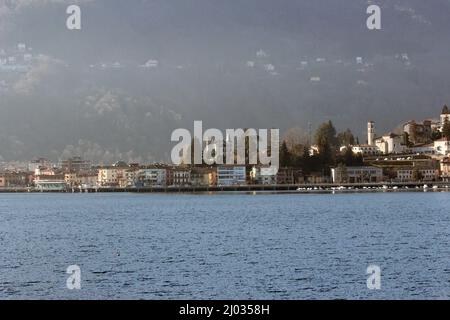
[[296, 139]]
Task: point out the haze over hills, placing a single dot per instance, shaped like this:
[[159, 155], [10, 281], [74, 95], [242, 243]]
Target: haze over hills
[[139, 69]]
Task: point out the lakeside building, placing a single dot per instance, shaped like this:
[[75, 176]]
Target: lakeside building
[[84, 180], [128, 178], [88, 180], [411, 174], [14, 179], [72, 179], [263, 175], [445, 169], [288, 175], [367, 174], [315, 178], [178, 176], [51, 185], [229, 175], [119, 174], [402, 168], [110, 176], [203, 176], [151, 177], [54, 177]]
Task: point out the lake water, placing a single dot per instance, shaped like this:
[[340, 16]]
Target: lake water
[[233, 246]]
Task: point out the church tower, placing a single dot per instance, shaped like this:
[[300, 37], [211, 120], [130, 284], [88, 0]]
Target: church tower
[[371, 133]]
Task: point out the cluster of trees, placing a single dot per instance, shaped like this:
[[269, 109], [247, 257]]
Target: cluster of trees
[[295, 151]]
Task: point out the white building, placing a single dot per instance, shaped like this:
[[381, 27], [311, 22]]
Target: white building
[[366, 150], [442, 146], [231, 175], [111, 176], [117, 175], [391, 143]]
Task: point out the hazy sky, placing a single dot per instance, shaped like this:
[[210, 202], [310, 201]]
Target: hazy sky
[[139, 69]]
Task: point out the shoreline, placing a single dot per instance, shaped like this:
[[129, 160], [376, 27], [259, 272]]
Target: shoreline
[[259, 189]]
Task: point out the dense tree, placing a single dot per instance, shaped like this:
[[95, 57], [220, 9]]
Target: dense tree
[[436, 135], [285, 155], [348, 158], [346, 138], [326, 141]]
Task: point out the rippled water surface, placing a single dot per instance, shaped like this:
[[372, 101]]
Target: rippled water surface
[[225, 246]]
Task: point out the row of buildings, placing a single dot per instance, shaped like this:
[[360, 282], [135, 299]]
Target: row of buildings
[[122, 175], [394, 170], [77, 173]]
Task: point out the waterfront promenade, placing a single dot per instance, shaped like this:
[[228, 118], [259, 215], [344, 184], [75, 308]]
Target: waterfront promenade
[[305, 188]]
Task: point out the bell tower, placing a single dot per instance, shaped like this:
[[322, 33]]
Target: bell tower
[[371, 133]]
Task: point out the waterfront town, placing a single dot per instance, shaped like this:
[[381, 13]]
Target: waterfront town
[[418, 152]]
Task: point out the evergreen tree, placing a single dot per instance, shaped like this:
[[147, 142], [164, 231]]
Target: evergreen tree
[[285, 156], [326, 141], [446, 128]]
